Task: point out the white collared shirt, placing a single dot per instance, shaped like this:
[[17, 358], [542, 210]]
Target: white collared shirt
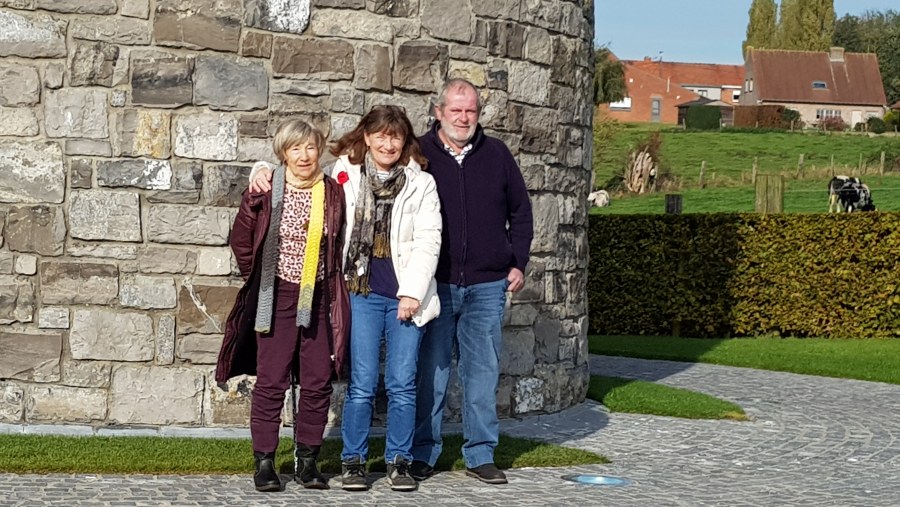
[[458, 156]]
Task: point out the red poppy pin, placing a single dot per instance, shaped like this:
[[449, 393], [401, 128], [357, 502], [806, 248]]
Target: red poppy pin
[[343, 177]]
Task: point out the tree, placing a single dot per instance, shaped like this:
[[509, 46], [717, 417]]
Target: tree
[[847, 34], [790, 31], [761, 28], [874, 32], [818, 24], [806, 25], [609, 77]]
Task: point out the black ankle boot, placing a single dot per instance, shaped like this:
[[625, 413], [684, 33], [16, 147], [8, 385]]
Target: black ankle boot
[[265, 478], [307, 474]]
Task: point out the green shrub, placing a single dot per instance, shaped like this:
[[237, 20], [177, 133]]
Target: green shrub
[[718, 275], [892, 119], [790, 117], [703, 117], [876, 125]]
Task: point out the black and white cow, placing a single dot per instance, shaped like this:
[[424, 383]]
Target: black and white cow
[[848, 193]]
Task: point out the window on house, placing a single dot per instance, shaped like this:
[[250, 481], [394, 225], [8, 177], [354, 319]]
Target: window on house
[[622, 105], [751, 85], [703, 93], [819, 85], [822, 114], [736, 95]]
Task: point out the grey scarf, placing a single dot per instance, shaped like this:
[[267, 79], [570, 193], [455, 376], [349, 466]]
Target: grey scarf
[[270, 256]]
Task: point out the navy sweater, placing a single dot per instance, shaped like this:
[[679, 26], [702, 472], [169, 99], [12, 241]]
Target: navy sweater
[[478, 200]]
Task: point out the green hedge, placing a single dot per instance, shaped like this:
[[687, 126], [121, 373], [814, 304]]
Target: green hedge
[[719, 275], [703, 117]]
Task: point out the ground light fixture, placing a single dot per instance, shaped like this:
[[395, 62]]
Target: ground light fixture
[[596, 480]]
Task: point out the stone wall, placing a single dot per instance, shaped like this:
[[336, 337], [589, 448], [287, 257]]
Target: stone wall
[[127, 131]]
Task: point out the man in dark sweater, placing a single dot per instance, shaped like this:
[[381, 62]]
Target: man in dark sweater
[[486, 238]]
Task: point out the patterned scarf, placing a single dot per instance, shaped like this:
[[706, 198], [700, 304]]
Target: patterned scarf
[[371, 235], [310, 254]]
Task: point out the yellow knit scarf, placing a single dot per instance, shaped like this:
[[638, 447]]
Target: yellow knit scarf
[[311, 254]]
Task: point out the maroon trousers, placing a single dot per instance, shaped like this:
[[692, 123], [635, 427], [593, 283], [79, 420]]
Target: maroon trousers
[[276, 352]]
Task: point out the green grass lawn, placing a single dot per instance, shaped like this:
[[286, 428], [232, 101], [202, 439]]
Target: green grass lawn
[[800, 196], [728, 154], [874, 360], [641, 397], [156, 455], [729, 160]]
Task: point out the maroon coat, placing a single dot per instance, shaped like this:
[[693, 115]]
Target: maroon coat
[[238, 353]]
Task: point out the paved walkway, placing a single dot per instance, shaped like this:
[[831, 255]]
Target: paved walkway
[[812, 441]]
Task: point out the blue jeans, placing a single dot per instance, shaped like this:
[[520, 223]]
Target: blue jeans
[[374, 317], [471, 319]]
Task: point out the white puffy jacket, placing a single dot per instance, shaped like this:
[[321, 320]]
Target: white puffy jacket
[[415, 233]]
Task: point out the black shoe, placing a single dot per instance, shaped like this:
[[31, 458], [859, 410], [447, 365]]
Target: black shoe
[[398, 475], [353, 475], [419, 470], [488, 473], [265, 478], [307, 473]]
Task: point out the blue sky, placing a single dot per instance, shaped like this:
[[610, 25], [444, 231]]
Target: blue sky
[[702, 31]]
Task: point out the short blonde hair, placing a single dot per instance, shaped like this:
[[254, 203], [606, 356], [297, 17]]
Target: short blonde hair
[[294, 132]]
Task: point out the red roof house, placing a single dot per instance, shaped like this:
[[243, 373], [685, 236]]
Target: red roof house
[[655, 88], [650, 98], [710, 80], [817, 84]]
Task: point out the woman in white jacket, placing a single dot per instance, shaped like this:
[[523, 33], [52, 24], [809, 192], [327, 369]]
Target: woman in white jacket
[[391, 248]]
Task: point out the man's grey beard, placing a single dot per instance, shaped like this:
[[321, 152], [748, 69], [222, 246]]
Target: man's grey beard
[[450, 132]]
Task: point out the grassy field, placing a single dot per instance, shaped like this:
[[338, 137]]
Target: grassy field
[[155, 455], [874, 360], [641, 397], [729, 158], [728, 154], [800, 196]]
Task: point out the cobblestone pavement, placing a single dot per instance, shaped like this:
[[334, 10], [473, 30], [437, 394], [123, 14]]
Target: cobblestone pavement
[[811, 441]]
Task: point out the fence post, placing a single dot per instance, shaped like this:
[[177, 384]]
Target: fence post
[[755, 168], [800, 166], [702, 170], [770, 194], [673, 204], [881, 168], [832, 165], [859, 168]]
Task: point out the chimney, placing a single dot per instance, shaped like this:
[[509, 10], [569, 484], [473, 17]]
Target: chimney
[[837, 54], [647, 59]]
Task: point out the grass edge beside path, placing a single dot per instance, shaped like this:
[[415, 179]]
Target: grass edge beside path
[[643, 397], [876, 360], [188, 456]]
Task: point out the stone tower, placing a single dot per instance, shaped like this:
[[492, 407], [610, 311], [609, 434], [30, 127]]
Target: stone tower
[[127, 131]]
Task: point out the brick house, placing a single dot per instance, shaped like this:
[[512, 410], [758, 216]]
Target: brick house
[[710, 80], [650, 99], [817, 84], [655, 88]]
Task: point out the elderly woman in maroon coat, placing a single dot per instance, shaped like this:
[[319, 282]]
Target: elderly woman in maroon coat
[[293, 311]]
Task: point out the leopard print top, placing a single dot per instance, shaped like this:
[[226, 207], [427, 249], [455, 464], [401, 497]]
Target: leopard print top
[[292, 236]]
